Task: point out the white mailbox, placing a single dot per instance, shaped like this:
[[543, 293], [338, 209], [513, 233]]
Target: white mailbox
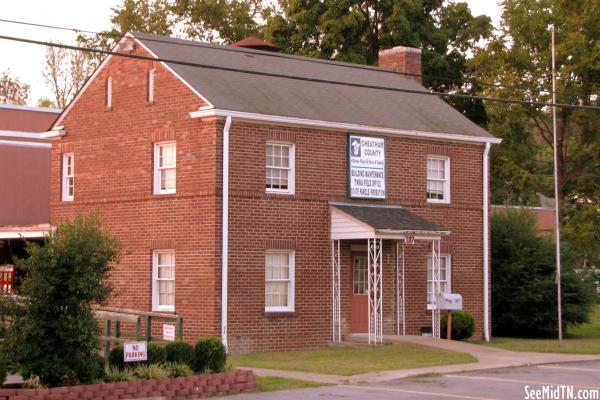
[[449, 301]]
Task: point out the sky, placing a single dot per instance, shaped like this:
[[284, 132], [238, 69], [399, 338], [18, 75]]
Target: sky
[[25, 61]]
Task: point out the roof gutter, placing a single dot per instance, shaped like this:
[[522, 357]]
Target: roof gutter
[[214, 112], [486, 244], [59, 131], [225, 233]]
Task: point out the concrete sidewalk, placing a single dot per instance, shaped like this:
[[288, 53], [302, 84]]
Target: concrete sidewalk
[[488, 358]]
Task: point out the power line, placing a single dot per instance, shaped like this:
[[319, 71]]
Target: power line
[[300, 78], [309, 59]]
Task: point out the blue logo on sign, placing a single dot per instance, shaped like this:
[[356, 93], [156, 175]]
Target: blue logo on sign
[[355, 147]]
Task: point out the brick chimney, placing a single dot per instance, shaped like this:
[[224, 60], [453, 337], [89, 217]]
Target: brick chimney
[[402, 59]]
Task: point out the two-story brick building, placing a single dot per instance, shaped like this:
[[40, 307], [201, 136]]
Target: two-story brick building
[[278, 201]]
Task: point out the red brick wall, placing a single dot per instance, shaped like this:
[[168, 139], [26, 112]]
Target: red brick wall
[[189, 387], [113, 179], [25, 188], [113, 151], [303, 219]]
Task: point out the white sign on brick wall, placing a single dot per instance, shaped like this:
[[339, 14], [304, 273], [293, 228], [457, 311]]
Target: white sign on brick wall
[[366, 167], [168, 332]]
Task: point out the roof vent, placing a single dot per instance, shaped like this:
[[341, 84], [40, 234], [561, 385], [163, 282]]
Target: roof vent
[[252, 42]]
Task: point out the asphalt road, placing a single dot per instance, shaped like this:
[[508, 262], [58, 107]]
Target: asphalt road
[[507, 383]]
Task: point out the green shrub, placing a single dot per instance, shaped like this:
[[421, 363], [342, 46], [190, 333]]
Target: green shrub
[[156, 354], [210, 354], [177, 370], [3, 368], [463, 325], [116, 357], [524, 298], [116, 374], [54, 333], [150, 371], [180, 351]]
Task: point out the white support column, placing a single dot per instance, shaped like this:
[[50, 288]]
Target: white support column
[[435, 277], [400, 301], [336, 330], [375, 288]]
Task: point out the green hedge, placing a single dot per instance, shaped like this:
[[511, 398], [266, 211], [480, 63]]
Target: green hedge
[[3, 368], [463, 325], [210, 354], [180, 351], [157, 354]]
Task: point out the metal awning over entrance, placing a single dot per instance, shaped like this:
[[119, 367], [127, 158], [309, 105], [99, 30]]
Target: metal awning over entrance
[[375, 222], [362, 221]]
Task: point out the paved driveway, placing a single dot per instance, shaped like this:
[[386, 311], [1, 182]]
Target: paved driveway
[[507, 383]]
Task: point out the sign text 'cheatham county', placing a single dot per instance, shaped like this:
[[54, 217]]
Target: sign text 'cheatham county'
[[135, 351], [366, 160]]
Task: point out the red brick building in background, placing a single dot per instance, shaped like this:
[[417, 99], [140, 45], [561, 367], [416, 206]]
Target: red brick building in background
[[25, 186], [277, 201]]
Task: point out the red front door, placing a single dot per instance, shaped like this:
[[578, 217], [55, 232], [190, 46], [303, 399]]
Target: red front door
[[358, 305]]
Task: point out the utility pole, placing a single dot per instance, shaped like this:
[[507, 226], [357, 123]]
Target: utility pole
[[556, 194]]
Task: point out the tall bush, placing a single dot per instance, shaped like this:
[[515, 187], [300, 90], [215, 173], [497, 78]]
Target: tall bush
[[524, 298], [180, 351], [210, 354], [54, 335], [463, 325]]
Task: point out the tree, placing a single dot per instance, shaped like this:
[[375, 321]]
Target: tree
[[518, 60], [46, 103], [356, 30], [149, 16], [12, 90], [65, 71], [523, 280], [227, 21], [54, 334]]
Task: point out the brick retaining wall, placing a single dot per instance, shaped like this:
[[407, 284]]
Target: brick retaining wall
[[190, 387]]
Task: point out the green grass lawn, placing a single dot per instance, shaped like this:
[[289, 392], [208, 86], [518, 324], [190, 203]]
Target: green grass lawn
[[583, 339], [275, 383], [346, 361]]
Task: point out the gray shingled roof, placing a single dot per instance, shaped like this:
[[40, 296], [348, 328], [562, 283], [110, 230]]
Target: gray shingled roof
[[240, 91], [388, 217]]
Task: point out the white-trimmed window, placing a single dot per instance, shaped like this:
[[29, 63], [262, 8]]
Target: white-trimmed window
[[279, 280], [68, 176], [108, 94], [163, 280], [150, 86], [165, 167], [438, 179], [280, 168], [445, 269]]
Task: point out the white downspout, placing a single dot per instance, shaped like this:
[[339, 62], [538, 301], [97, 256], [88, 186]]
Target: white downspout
[[486, 244], [225, 231]]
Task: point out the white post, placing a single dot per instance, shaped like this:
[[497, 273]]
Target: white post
[[380, 292], [403, 296], [400, 303], [369, 285], [375, 290], [335, 291], [397, 289], [556, 193], [435, 277], [225, 233], [486, 244], [339, 295]]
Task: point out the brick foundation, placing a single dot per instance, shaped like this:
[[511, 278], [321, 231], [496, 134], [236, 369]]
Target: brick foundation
[[190, 387]]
